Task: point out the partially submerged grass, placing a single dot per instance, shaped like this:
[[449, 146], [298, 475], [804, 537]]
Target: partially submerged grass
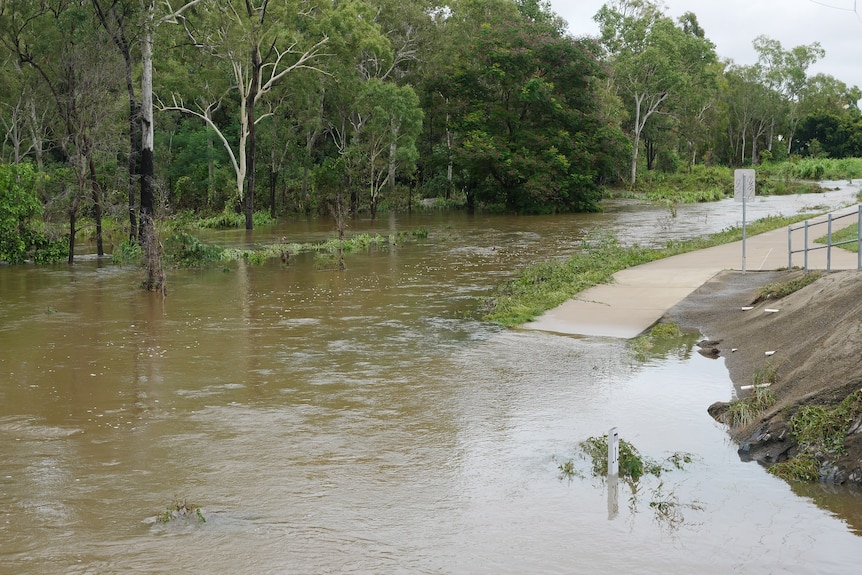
[[545, 285], [820, 429], [742, 412], [803, 467], [661, 340], [820, 432], [665, 505]]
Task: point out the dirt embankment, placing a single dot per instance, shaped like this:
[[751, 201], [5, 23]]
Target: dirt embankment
[[816, 337]]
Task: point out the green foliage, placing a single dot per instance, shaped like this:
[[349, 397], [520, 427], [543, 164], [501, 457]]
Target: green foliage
[[528, 142], [823, 429], [228, 219], [327, 254], [182, 510], [814, 169], [820, 432], [803, 467], [19, 204], [632, 465], [185, 250], [781, 289], [742, 412], [128, 252], [764, 376]]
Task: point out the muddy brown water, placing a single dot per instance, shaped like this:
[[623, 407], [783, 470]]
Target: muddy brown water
[[366, 422]]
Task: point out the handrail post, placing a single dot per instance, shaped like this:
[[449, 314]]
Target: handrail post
[[859, 239], [805, 247], [829, 243], [790, 246]]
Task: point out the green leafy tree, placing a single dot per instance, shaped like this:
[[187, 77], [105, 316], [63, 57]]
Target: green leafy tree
[[652, 60], [784, 72], [19, 203], [19, 208], [525, 115], [389, 120], [59, 42], [261, 43]]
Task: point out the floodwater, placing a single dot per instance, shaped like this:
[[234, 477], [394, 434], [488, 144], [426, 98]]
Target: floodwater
[[367, 422]]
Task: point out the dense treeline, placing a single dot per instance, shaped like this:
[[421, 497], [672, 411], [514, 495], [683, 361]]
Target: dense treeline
[[137, 108]]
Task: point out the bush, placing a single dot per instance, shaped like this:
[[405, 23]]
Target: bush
[[185, 250], [19, 203]]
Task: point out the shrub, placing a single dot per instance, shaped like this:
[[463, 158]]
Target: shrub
[[185, 250], [19, 203]]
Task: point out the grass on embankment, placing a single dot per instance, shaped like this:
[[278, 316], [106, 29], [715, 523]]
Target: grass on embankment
[[545, 285]]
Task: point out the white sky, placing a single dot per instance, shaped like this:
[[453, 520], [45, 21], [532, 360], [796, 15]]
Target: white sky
[[732, 24]]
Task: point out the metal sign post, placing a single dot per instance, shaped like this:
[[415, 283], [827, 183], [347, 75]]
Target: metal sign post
[[743, 191]]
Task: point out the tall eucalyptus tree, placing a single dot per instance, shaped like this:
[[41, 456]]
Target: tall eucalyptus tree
[[261, 42]]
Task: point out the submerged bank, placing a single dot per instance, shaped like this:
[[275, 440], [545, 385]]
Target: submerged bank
[[809, 344]]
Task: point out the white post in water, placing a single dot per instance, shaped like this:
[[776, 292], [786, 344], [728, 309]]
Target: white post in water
[[613, 473], [743, 191], [613, 452]]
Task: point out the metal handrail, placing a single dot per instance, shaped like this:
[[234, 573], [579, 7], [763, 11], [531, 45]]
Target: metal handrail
[[806, 225]]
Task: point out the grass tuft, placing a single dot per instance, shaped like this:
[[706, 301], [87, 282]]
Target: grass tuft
[[779, 290]]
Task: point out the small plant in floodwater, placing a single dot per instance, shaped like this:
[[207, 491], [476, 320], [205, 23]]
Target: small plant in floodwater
[[181, 509], [668, 508], [567, 469], [128, 252], [632, 465]]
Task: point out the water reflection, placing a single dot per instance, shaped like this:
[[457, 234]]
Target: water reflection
[[359, 423]]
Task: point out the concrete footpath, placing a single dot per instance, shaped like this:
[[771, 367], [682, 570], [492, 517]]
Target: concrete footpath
[[640, 296]]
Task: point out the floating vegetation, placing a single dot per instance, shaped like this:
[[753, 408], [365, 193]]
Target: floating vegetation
[[182, 510], [668, 509], [231, 219], [185, 250]]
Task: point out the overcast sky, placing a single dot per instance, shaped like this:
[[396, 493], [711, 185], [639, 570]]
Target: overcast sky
[[733, 24]]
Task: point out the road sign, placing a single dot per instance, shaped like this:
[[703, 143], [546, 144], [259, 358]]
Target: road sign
[[743, 185], [743, 191]]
